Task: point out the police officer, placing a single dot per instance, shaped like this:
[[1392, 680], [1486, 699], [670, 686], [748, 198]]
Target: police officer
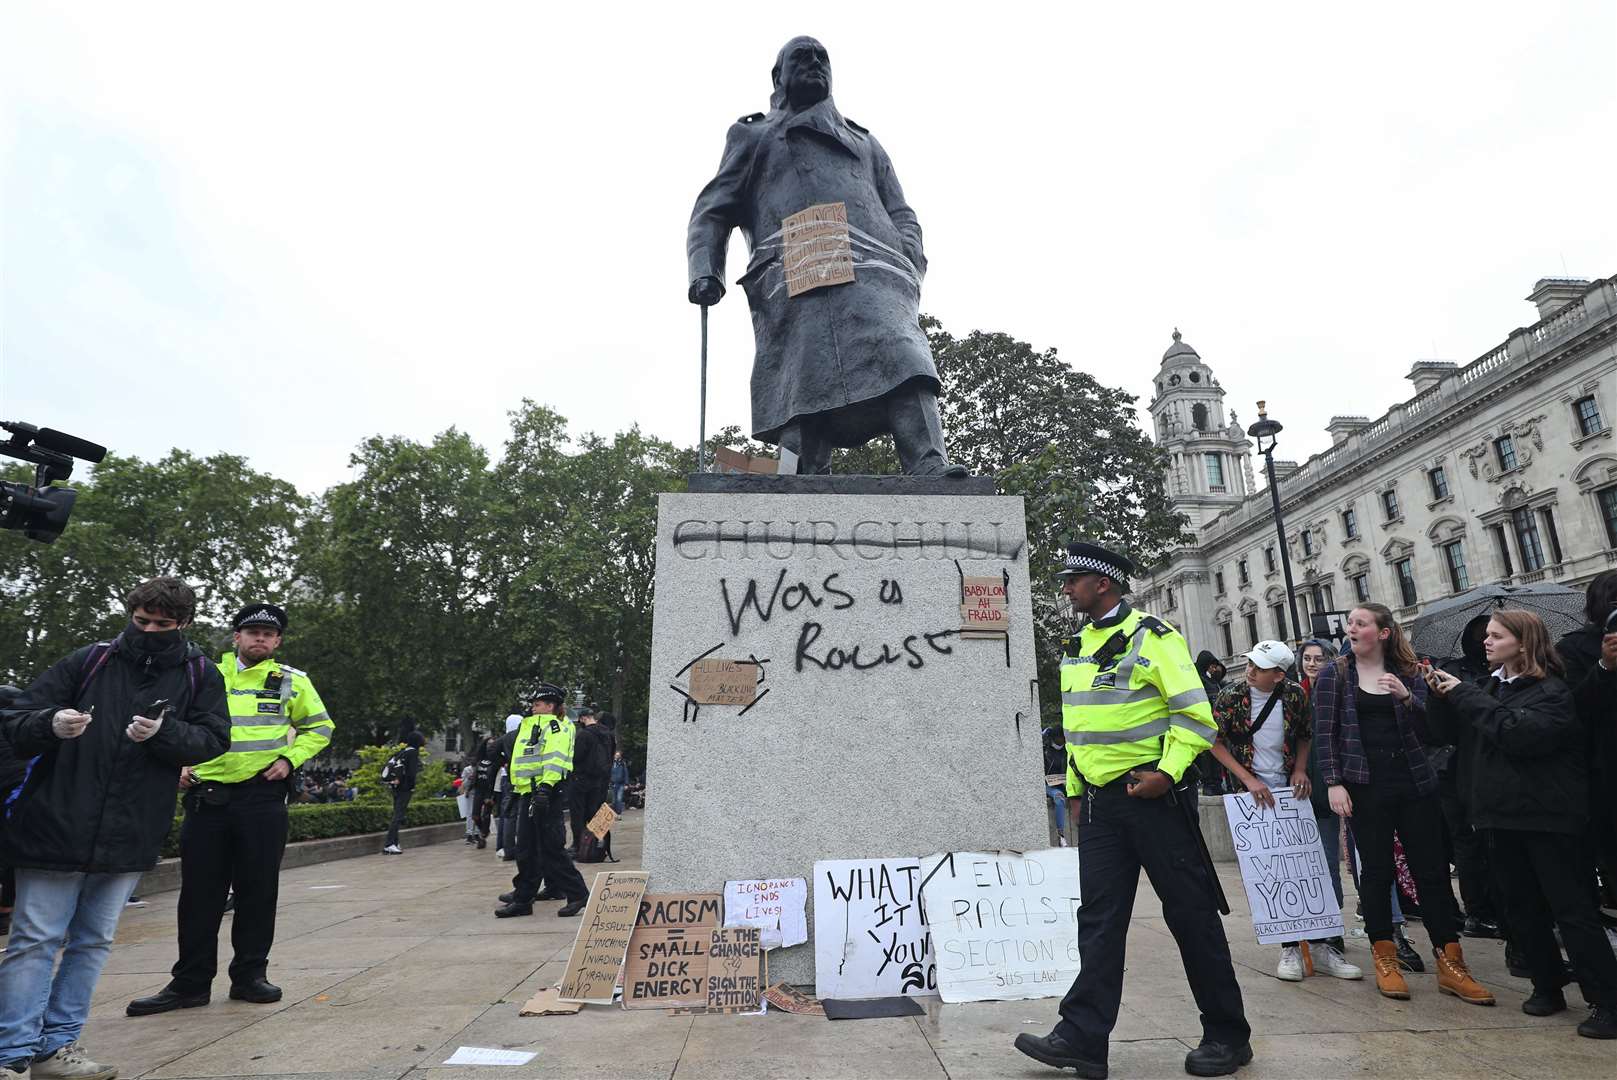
[[235, 817], [540, 760], [1135, 717]]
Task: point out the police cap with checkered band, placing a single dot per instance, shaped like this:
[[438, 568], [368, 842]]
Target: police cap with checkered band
[[260, 616], [1086, 558]]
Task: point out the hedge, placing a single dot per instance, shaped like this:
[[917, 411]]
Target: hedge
[[324, 820]]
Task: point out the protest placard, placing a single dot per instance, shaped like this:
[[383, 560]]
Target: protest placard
[[1288, 883], [869, 936], [724, 682], [603, 937], [788, 998], [816, 249], [667, 965], [984, 610], [776, 906], [602, 822], [1005, 925], [735, 976]]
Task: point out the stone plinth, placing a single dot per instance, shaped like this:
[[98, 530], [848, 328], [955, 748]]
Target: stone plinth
[[878, 730]]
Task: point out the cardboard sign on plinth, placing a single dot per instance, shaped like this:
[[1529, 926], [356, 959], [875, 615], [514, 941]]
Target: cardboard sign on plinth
[[603, 937], [667, 965], [724, 682]]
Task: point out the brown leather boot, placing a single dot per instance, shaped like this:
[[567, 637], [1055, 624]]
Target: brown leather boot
[[1454, 978], [1389, 979]]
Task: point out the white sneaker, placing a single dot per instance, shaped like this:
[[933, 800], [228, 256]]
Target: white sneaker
[[1290, 968], [8, 1073], [499, 853], [72, 1063], [392, 849], [1328, 961]]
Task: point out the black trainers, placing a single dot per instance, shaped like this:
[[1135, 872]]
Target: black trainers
[[1544, 1003], [1056, 1052], [1217, 1059], [1602, 1023], [1483, 928]]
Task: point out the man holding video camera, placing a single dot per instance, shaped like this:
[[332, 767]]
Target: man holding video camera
[[112, 724]]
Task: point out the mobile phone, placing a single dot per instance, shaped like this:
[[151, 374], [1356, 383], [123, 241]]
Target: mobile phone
[[160, 708], [1611, 622]]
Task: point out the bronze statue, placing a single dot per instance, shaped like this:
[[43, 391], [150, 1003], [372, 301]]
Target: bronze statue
[[834, 279]]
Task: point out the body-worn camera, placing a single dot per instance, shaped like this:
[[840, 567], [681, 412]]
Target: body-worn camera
[[39, 510]]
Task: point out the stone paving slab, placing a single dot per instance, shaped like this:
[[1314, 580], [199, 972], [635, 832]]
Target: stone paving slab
[[387, 975]]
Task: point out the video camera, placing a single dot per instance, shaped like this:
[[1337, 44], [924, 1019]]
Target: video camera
[[39, 510]]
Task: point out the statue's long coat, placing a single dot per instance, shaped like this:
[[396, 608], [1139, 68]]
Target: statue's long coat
[[833, 350]]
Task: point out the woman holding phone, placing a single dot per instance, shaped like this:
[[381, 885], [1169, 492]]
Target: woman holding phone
[[1521, 750], [1366, 707]]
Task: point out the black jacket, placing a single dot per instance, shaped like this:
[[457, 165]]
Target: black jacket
[[102, 803], [1594, 696], [1520, 753], [593, 747], [12, 767]]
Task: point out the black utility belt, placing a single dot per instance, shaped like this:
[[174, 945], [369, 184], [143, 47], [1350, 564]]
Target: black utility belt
[[215, 793]]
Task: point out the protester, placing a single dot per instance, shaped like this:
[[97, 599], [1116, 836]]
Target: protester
[[1590, 656], [1366, 705], [485, 767], [505, 845], [402, 770], [619, 781], [13, 769], [1055, 781], [464, 785], [1262, 751], [1315, 655], [1469, 853], [1211, 670], [593, 749], [1522, 750], [93, 813]]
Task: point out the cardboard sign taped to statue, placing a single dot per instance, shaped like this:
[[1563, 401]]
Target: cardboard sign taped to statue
[[1288, 882]]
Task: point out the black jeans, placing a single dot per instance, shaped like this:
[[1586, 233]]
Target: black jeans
[[1540, 876], [401, 803], [542, 854], [1379, 810], [1470, 858], [237, 844], [1117, 836]]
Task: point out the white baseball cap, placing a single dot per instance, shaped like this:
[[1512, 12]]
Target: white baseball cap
[[1271, 654]]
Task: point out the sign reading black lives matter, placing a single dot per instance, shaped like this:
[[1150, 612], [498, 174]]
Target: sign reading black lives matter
[[1288, 883]]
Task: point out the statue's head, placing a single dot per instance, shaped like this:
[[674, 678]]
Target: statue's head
[[802, 74]]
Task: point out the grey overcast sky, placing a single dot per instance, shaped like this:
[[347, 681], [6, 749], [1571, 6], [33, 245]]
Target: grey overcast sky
[[275, 229]]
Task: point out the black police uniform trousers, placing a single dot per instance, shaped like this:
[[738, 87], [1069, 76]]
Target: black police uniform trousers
[[542, 852], [223, 844], [1117, 836]]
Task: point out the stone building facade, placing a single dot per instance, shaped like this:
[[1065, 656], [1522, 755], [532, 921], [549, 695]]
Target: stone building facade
[[1501, 470]]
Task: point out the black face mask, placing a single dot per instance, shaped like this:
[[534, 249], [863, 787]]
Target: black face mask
[[151, 643]]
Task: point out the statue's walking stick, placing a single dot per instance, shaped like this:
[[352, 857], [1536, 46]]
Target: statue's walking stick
[[701, 444]]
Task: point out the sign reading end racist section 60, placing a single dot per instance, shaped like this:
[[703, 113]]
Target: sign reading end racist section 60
[[667, 966]]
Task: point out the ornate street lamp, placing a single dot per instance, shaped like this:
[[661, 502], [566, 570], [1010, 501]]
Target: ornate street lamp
[[1267, 429]]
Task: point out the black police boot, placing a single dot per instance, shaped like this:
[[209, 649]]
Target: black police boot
[[1483, 928], [1544, 1002], [1056, 1052], [1217, 1059], [512, 910], [573, 907], [507, 897], [546, 894], [1408, 958], [163, 1001], [259, 991]]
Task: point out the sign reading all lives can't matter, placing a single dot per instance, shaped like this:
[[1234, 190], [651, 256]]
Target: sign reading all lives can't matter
[[724, 682], [984, 606]]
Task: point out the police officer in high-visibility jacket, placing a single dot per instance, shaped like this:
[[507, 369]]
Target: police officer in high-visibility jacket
[[235, 818], [541, 759], [1135, 718]]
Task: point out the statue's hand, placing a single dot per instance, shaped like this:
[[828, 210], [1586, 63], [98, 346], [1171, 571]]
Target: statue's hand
[[706, 291]]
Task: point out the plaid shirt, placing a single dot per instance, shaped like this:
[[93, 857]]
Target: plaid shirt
[[1336, 720], [1232, 712]]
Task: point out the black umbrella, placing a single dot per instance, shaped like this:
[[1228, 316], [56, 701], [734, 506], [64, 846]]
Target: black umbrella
[[1438, 632]]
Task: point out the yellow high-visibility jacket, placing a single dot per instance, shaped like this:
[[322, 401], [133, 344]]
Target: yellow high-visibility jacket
[[267, 702], [543, 754], [1131, 700]]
